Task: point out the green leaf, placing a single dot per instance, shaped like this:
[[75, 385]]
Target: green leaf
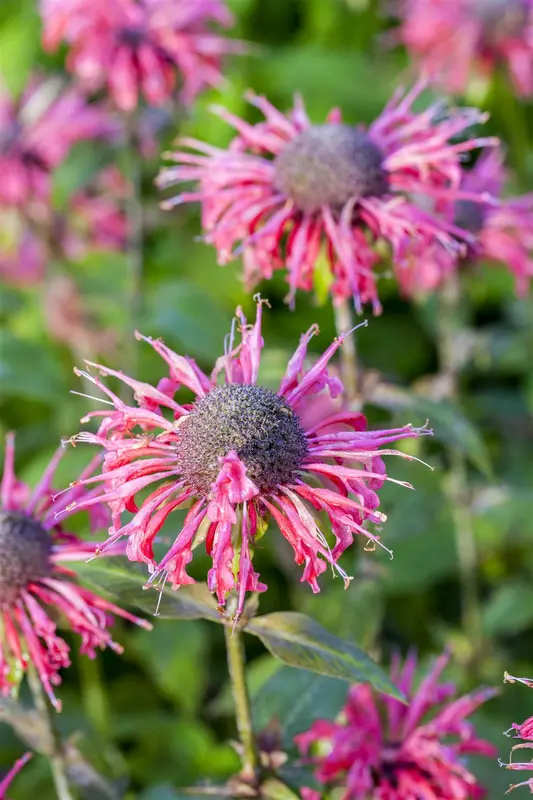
[[295, 699], [18, 378], [510, 610], [126, 582], [301, 642]]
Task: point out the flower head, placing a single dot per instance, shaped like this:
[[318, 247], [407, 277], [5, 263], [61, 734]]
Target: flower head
[[37, 132], [13, 772], [134, 47], [503, 232], [237, 455], [451, 39], [522, 731], [35, 584], [300, 196], [386, 750]]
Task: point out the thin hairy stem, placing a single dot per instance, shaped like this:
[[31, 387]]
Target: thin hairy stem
[[241, 699], [456, 484], [348, 352], [56, 756]]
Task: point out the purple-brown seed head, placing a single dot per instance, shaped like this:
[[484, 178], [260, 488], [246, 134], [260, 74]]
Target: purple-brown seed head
[[253, 421], [327, 165], [25, 550]]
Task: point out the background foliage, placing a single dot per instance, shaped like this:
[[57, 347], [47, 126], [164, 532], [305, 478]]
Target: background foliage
[[160, 716]]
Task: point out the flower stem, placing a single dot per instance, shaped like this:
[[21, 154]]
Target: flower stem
[[456, 485], [56, 757], [241, 699], [348, 352], [135, 217]]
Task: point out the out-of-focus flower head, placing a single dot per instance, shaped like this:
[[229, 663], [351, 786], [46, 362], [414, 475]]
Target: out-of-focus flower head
[[36, 586], [13, 772], [502, 231], [522, 731], [236, 456], [452, 40], [37, 132], [292, 195], [386, 750], [23, 255], [134, 47]]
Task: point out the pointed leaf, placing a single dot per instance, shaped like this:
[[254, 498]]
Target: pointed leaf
[[122, 579], [301, 642]]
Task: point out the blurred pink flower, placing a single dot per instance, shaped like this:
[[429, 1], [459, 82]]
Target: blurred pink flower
[[37, 132], [13, 772], [503, 232], [453, 39], [35, 584], [97, 215], [304, 197], [147, 47], [238, 454], [523, 731], [23, 255], [386, 750]]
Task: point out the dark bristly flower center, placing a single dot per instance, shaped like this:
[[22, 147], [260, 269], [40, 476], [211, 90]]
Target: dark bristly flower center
[[501, 18], [469, 216], [25, 550], [327, 165], [255, 422]]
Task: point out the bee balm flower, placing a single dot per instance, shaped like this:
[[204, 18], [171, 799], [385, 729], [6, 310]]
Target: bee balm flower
[[293, 195], [239, 454], [386, 750], [522, 731], [453, 39], [134, 47], [35, 584]]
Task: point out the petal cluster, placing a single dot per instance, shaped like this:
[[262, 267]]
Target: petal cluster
[[386, 750], [149, 48], [454, 40], [28, 620], [158, 444], [524, 731], [248, 208]]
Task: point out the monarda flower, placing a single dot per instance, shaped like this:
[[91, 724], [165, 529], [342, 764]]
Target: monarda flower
[[133, 47], [522, 731], [302, 197], [36, 586], [37, 132], [12, 774], [503, 232], [452, 40], [383, 749], [239, 454]]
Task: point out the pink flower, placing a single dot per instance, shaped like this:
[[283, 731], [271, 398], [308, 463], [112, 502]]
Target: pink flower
[[35, 584], [97, 216], [37, 132], [23, 255], [523, 731], [302, 197], [13, 772], [237, 456], [503, 232], [386, 750], [452, 39], [145, 47]]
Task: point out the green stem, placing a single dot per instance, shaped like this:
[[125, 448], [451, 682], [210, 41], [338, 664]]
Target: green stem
[[241, 699], [456, 484], [56, 756], [348, 352], [135, 217]]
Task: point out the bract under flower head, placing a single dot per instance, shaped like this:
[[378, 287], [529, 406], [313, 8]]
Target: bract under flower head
[[456, 39], [239, 454], [134, 47], [35, 586], [522, 731], [37, 132], [297, 196], [386, 750], [503, 232]]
